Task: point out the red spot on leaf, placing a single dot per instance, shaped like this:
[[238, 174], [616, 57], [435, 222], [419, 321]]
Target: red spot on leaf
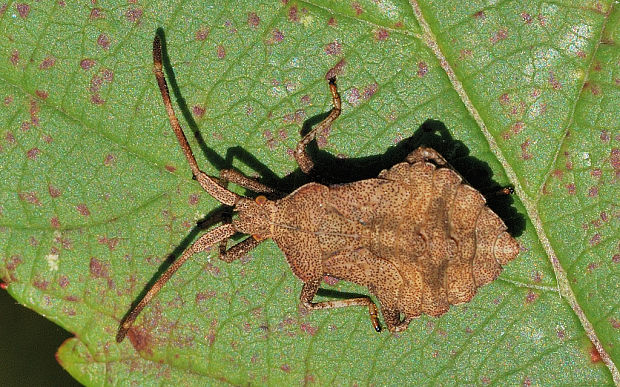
[[63, 281], [193, 199], [202, 34], [103, 41], [96, 13], [381, 34], [41, 94], [480, 15], [47, 63], [221, 52], [133, 15], [99, 269], [357, 8], [330, 280], [87, 64], [198, 110], [596, 238], [555, 84], [333, 48], [14, 58], [499, 36], [253, 19], [286, 368], [110, 242], [109, 160], [309, 329], [108, 75], [595, 356], [170, 168], [525, 155], [593, 192], [277, 36], [531, 297], [370, 90], [332, 22], [527, 18], [96, 99], [23, 10], [83, 209], [30, 197], [33, 153], [40, 283], [571, 188], [422, 69], [140, 339], [55, 223], [293, 15]]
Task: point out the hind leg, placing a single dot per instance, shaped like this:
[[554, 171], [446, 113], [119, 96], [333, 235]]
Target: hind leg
[[309, 291]]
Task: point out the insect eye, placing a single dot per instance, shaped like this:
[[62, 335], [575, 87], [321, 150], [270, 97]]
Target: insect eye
[[261, 200]]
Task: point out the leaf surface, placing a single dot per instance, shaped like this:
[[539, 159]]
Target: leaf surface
[[95, 193]]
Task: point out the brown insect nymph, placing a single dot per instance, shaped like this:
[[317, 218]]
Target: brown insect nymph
[[416, 236]]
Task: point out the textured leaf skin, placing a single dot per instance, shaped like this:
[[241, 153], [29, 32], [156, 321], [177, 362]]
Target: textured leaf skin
[[95, 193]]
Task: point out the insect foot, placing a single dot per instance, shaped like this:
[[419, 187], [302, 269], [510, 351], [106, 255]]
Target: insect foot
[[417, 236]]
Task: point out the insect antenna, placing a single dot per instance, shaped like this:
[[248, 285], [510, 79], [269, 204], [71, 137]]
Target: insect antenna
[[208, 184], [220, 193]]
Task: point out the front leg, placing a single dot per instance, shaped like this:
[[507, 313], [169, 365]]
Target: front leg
[[301, 155]]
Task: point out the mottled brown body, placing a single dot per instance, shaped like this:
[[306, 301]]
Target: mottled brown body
[[417, 236]]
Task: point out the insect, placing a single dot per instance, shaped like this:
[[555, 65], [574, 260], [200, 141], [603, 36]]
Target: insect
[[416, 236]]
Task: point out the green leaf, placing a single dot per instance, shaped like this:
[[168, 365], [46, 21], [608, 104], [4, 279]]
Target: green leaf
[[95, 193]]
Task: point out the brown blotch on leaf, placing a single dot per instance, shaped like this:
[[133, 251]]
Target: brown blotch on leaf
[[293, 14], [14, 58], [96, 13], [221, 52], [47, 63], [202, 34], [333, 48], [30, 197], [103, 41], [23, 10], [133, 15], [55, 223], [140, 339], [87, 64], [33, 153], [595, 356], [99, 269], [253, 19], [41, 94], [83, 209]]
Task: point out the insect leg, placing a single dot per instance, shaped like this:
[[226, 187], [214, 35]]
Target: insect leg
[[212, 237], [303, 159], [392, 320], [238, 250], [240, 179], [309, 290], [208, 184]]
